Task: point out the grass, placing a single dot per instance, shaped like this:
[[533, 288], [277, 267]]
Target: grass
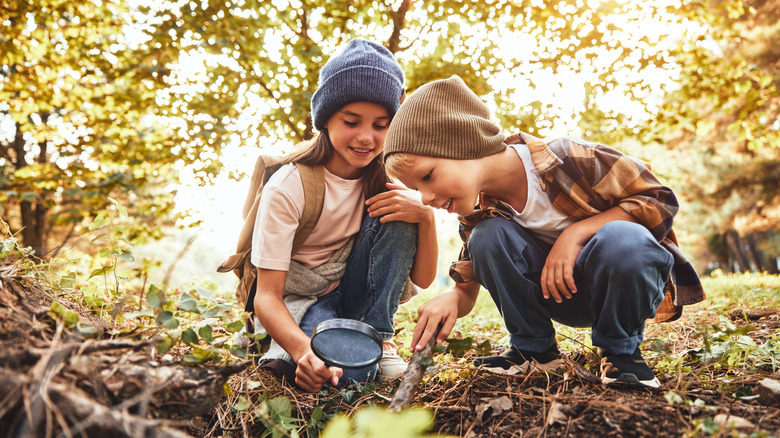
[[754, 293]]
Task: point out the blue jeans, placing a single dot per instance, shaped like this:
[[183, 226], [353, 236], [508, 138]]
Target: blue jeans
[[620, 276], [377, 270]]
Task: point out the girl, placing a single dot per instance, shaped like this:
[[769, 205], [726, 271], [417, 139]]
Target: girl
[[354, 265]]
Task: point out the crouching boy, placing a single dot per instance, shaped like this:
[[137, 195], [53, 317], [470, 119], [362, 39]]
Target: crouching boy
[[563, 230]]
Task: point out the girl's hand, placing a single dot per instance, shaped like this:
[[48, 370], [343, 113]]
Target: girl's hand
[[399, 204], [312, 373], [558, 273]]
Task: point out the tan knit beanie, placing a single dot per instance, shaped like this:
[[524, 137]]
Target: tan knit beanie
[[444, 119]]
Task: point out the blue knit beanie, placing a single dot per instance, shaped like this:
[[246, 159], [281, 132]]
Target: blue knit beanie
[[362, 72]]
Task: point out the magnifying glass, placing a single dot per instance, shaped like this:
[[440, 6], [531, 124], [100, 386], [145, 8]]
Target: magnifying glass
[[346, 343]]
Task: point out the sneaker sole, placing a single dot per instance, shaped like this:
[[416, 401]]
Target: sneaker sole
[[524, 367], [631, 379]]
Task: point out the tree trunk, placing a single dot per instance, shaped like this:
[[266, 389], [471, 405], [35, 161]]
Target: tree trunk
[[737, 260], [32, 213]]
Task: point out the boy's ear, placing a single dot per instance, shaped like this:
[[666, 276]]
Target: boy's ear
[[403, 97]]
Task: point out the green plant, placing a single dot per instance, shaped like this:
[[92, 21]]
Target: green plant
[[377, 422]]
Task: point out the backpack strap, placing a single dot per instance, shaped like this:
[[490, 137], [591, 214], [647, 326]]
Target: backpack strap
[[313, 178]]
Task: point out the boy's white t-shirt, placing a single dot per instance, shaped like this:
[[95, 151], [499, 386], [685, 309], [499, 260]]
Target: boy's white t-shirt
[[279, 214], [539, 216]]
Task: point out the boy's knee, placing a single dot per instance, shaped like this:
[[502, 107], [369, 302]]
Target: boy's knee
[[624, 243], [487, 235]]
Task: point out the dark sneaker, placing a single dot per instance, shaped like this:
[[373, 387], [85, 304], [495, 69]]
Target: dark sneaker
[[516, 361], [627, 369]]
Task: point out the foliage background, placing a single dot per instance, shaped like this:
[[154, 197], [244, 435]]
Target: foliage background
[[129, 99]]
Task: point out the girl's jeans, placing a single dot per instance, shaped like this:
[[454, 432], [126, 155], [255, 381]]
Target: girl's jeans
[[377, 270], [620, 276]]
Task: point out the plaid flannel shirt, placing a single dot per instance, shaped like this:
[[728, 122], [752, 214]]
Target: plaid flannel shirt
[[585, 179]]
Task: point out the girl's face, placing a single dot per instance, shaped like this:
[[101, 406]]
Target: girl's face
[[443, 183], [357, 132]]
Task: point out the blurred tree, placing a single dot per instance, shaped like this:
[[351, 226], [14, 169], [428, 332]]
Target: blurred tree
[[719, 118], [115, 97], [74, 98]]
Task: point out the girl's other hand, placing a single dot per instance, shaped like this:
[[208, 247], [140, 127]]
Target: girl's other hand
[[399, 204]]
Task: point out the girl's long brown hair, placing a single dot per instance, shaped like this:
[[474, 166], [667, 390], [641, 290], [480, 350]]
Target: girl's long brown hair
[[319, 151]]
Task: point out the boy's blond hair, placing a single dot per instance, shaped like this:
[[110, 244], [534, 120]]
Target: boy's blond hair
[[396, 164]]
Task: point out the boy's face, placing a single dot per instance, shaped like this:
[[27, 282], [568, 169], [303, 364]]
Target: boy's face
[[442, 182]]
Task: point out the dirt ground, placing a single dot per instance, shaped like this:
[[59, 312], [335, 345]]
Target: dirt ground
[[116, 386], [570, 402]]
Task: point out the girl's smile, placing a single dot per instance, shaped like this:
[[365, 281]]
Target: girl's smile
[[357, 133]]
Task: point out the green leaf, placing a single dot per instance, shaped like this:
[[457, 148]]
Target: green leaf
[[167, 320], [98, 222], [88, 331], [238, 351], [67, 316], [242, 404], [210, 312], [188, 303], [235, 326], [205, 333], [101, 271], [68, 281], [126, 255], [164, 345], [142, 312], [155, 297], [121, 208], [459, 347], [189, 337], [484, 348]]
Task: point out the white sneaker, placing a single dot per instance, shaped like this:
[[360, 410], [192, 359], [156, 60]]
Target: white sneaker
[[391, 365]]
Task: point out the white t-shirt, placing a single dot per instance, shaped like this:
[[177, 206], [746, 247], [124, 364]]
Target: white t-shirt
[[280, 211], [539, 216]]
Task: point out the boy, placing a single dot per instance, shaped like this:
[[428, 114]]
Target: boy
[[563, 230]]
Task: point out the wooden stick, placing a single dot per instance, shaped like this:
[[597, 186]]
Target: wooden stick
[[414, 373]]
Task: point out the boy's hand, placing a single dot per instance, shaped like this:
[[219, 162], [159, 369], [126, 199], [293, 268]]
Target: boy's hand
[[442, 309], [399, 204], [312, 373], [558, 273]]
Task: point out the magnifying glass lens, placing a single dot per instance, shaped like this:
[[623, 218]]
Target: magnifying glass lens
[[346, 343]]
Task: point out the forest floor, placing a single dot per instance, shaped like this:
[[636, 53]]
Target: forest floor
[[714, 365]]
